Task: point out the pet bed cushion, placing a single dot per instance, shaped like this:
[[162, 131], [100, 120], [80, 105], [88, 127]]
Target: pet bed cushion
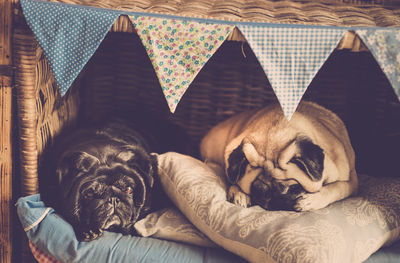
[[48, 232], [346, 231], [171, 224], [389, 254]]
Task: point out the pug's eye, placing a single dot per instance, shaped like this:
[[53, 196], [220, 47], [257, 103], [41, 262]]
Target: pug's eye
[[89, 194], [129, 190]]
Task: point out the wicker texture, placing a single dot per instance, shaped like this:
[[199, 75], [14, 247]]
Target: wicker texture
[[41, 112], [120, 78], [323, 12], [339, 13], [25, 56], [232, 80]]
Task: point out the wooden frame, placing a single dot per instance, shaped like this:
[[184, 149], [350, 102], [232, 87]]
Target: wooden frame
[[6, 74]]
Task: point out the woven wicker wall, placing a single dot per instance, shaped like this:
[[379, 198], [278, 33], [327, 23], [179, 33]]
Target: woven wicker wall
[[116, 78], [120, 78], [351, 84], [322, 12]]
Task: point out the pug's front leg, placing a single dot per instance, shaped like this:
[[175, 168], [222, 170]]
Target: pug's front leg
[[89, 234], [238, 197], [310, 201], [328, 194]]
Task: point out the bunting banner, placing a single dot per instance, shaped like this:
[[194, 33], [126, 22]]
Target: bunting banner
[[291, 56], [385, 47], [178, 47], [68, 35], [178, 50]]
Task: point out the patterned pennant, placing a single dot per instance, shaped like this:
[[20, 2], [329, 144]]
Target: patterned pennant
[[384, 45], [178, 49], [291, 56], [68, 35]]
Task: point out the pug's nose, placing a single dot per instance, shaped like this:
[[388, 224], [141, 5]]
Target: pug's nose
[[114, 201], [283, 189]]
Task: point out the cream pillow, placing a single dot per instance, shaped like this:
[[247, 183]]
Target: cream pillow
[[346, 231], [170, 224]]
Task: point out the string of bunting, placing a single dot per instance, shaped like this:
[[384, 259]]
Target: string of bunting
[[178, 48]]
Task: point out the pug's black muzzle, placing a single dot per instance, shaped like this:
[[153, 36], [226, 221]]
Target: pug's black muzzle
[[103, 175], [272, 195], [112, 197]]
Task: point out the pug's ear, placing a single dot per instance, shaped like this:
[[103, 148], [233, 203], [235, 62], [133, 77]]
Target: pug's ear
[[237, 164], [310, 158], [153, 169], [78, 161]]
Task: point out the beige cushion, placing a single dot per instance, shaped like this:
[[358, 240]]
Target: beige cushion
[[346, 231], [171, 224]]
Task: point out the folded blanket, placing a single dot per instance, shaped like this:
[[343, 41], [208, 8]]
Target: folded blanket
[[48, 232]]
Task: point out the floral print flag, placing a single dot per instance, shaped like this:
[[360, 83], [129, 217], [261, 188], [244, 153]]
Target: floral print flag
[[384, 45], [178, 49]]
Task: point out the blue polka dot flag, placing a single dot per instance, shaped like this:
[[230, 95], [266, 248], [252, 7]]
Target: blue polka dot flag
[[68, 43], [384, 45], [291, 56]]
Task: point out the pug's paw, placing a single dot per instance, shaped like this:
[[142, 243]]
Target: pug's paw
[[91, 235], [236, 196], [309, 201]]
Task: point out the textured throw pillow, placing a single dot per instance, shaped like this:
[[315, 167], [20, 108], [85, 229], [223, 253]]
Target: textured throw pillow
[[171, 224], [346, 231]]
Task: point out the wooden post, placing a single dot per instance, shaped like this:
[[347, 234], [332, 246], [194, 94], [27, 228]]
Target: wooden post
[[6, 74]]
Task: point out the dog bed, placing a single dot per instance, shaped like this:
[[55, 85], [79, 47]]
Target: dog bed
[[120, 75], [350, 230]]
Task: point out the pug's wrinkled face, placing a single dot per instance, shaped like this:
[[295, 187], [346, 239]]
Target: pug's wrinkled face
[[277, 182], [271, 194], [105, 187]]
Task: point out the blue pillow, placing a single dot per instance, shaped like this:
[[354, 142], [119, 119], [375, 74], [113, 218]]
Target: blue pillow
[[49, 232], [389, 254]]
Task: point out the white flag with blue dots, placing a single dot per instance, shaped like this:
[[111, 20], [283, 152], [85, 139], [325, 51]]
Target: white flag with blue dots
[[291, 56], [68, 35]]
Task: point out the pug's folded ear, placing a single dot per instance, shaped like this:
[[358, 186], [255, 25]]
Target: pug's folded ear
[[237, 164], [78, 161], [309, 158], [138, 159], [154, 168]]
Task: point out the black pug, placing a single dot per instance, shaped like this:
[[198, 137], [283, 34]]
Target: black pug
[[103, 176]]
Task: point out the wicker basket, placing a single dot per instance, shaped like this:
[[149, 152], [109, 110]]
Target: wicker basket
[[350, 83]]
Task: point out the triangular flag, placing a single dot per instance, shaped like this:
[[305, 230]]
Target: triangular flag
[[68, 35], [291, 56], [178, 49], [384, 45]]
